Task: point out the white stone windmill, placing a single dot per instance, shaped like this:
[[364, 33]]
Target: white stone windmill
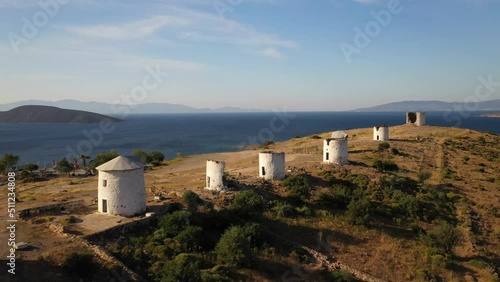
[[121, 188]]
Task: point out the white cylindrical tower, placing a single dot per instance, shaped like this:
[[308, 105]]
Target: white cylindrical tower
[[215, 175], [420, 119], [272, 165], [381, 133], [335, 149], [416, 118], [121, 187]]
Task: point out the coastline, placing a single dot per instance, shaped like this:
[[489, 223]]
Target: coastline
[[494, 115]]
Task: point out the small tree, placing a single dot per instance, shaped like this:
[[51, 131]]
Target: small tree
[[189, 238], [383, 165], [102, 158], [30, 167], [298, 187], [302, 193], [80, 265], [84, 159], [157, 157], [360, 211], [145, 158], [191, 199], [444, 236], [8, 161], [174, 223], [234, 247], [184, 267], [248, 203], [64, 166], [266, 144]]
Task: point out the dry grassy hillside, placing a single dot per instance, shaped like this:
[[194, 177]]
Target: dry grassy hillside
[[453, 174]]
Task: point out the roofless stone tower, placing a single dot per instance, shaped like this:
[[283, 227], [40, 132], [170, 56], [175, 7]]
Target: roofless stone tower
[[381, 133], [335, 149], [272, 165], [416, 118], [215, 175]]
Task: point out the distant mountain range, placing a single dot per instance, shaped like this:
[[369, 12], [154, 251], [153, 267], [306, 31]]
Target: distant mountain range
[[166, 108], [48, 114], [109, 109], [429, 106]]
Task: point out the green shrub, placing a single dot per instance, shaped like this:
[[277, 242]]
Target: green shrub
[[102, 158], [247, 204], [216, 274], [81, 265], [478, 263], [465, 159], [385, 165], [296, 180], [173, 224], [305, 211], [189, 238], [315, 137], [284, 210], [423, 175], [443, 236], [298, 187], [383, 146], [341, 275], [360, 211], [266, 144], [395, 151], [191, 199], [184, 267], [440, 261], [302, 193], [234, 247], [341, 196]]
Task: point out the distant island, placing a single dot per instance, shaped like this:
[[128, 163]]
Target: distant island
[[118, 109], [48, 114], [429, 106], [495, 115]]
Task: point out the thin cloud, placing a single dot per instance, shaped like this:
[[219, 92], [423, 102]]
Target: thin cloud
[[188, 25], [271, 53], [128, 31]]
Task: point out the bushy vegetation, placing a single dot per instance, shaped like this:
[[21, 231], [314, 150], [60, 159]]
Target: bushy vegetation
[[235, 245], [284, 210], [266, 144], [184, 247], [341, 275], [218, 245], [444, 237], [64, 166], [384, 146], [385, 165], [247, 204], [184, 267], [191, 199], [154, 157], [7, 162], [102, 158], [80, 265], [298, 186]]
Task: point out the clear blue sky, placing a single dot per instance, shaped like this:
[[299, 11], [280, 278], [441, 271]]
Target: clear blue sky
[[261, 54]]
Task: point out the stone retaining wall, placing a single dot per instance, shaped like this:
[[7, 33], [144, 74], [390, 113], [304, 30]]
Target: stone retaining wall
[[68, 206]]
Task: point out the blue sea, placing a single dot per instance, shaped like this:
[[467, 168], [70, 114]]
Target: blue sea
[[199, 133]]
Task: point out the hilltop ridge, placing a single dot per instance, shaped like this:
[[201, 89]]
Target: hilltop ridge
[[49, 114]]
